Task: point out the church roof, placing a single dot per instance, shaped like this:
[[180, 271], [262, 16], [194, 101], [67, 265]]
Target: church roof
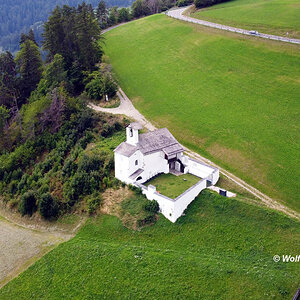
[[126, 149], [151, 142]]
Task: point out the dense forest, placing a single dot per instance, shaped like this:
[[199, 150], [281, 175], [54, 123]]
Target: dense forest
[[19, 16], [45, 123]]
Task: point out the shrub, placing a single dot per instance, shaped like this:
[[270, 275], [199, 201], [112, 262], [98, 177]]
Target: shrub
[[107, 130], [181, 3], [118, 126], [135, 189], [206, 3], [13, 187], [44, 189], [148, 220], [27, 205], [90, 163], [23, 183], [47, 206], [94, 88], [69, 167], [152, 206], [109, 86], [93, 202], [106, 182]]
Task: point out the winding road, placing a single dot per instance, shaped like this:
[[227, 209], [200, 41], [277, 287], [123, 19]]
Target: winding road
[[178, 14], [127, 108]]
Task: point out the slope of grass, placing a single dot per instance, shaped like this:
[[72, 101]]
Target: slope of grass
[[221, 249], [172, 186], [276, 16], [231, 98]]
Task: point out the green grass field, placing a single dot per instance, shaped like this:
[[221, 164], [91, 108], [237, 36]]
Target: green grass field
[[221, 249], [275, 17], [172, 186], [234, 99]]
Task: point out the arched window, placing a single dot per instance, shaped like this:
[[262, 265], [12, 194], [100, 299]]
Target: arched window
[[139, 178], [136, 162], [131, 132]]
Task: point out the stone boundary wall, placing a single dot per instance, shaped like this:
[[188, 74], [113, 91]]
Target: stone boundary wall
[[172, 209]]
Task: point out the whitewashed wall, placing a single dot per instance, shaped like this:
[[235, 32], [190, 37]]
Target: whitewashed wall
[[121, 167], [182, 201], [154, 164], [200, 169], [166, 204], [172, 209], [132, 167]]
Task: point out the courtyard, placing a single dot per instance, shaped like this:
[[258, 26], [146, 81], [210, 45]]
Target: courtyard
[[171, 185]]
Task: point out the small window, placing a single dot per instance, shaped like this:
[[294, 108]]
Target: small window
[[131, 132], [136, 162]]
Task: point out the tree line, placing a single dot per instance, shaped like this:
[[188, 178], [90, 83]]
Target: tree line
[[45, 124], [19, 16], [207, 3]]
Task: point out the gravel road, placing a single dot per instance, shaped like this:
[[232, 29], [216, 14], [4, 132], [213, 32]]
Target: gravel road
[[18, 245], [178, 14]]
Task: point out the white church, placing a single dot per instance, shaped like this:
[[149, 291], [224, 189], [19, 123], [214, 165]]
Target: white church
[[142, 156]]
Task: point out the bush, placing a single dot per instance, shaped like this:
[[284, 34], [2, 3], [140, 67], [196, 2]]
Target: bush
[[94, 88], [148, 220], [69, 168], [181, 3], [47, 206], [27, 205], [135, 189], [90, 163], [206, 3], [107, 130], [93, 202], [152, 206]]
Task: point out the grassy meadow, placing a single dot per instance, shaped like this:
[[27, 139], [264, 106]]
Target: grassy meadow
[[172, 186], [221, 249], [275, 17], [232, 98]]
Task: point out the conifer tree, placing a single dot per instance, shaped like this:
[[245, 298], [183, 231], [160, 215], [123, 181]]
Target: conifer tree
[[102, 14], [29, 66], [8, 79]]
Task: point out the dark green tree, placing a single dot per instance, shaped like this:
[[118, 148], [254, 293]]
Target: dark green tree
[[27, 205], [30, 36], [140, 8], [47, 206], [75, 35], [113, 16], [29, 66], [88, 35], [4, 115], [124, 15], [53, 75], [8, 79], [102, 14]]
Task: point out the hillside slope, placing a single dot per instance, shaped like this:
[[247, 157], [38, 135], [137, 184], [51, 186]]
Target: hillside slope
[[221, 249], [231, 98]]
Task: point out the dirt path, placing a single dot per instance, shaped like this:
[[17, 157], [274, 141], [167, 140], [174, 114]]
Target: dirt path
[[178, 14], [24, 241], [126, 108]]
